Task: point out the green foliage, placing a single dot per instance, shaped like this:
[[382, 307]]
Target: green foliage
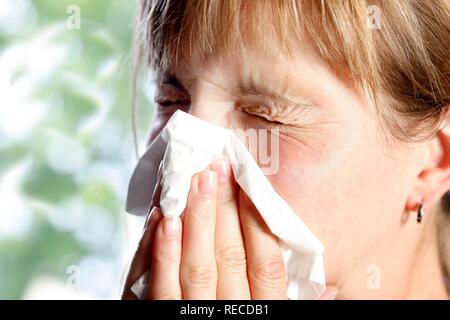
[[66, 149]]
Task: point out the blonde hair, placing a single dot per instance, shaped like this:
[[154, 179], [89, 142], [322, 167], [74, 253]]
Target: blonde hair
[[402, 67]]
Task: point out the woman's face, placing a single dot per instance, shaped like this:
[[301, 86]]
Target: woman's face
[[338, 169]]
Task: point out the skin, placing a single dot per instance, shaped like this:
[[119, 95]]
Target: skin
[[349, 180]]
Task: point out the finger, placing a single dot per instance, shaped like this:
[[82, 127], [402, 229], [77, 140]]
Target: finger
[[330, 293], [142, 257], [232, 282], [141, 260], [265, 267], [198, 265], [165, 266]]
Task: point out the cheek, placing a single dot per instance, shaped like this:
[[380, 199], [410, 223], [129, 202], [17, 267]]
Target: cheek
[[334, 176], [317, 186], [341, 191], [304, 178]]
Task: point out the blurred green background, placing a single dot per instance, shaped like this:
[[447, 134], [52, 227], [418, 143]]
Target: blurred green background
[[66, 148]]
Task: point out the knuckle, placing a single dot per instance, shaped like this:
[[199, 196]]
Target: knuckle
[[167, 252], [202, 276], [269, 273], [227, 196], [201, 214], [232, 258]]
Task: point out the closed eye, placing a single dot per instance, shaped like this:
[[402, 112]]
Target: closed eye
[[258, 111], [272, 110], [168, 103], [170, 92]]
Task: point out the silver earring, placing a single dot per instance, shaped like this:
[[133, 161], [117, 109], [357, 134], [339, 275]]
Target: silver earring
[[420, 212]]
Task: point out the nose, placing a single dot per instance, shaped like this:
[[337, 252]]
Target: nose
[[218, 113], [212, 107]]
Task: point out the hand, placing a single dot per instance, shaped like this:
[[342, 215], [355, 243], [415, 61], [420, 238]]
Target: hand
[[219, 249]]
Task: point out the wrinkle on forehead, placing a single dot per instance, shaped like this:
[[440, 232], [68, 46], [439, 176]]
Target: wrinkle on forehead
[[269, 73]]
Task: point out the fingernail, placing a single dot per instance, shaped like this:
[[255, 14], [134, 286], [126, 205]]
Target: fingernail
[[170, 226], [207, 182], [222, 167]]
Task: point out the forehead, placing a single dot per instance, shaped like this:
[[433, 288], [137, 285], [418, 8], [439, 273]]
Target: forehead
[[253, 40], [170, 33], [252, 70], [179, 30], [252, 47]]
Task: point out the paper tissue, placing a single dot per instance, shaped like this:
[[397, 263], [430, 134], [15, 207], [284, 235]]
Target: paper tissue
[[186, 146]]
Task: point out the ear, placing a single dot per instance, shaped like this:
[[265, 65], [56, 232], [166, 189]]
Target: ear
[[434, 180]]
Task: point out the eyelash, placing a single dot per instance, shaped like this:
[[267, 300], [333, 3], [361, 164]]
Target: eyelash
[[167, 104], [264, 109], [267, 110]]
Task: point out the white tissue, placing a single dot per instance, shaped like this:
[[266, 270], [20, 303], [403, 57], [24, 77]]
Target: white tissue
[[187, 145]]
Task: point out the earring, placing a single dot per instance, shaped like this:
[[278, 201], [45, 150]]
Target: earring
[[420, 212]]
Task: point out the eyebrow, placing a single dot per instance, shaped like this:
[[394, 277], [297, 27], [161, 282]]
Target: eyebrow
[[249, 89], [254, 88]]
